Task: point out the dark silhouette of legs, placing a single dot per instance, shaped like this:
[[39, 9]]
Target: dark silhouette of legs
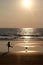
[[9, 46]]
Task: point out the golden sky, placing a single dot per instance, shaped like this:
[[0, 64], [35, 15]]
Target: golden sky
[[14, 14]]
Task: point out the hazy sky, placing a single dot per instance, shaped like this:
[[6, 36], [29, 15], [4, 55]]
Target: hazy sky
[[14, 14]]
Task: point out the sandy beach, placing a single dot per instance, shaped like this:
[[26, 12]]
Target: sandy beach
[[21, 59]]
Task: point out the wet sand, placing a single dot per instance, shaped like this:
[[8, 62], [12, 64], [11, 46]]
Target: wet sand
[[21, 59]]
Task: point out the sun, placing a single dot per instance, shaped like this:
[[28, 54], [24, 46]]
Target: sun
[[26, 3]]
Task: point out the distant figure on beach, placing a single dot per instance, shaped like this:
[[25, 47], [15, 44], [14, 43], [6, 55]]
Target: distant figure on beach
[[9, 46], [26, 48]]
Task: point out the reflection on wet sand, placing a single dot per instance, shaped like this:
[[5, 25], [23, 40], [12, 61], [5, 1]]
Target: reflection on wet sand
[[27, 51]]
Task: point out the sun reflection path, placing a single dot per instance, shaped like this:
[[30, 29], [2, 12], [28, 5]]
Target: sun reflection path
[[27, 46], [24, 45], [27, 31], [26, 52]]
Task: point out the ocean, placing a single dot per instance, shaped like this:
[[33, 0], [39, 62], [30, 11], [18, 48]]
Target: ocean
[[20, 38]]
